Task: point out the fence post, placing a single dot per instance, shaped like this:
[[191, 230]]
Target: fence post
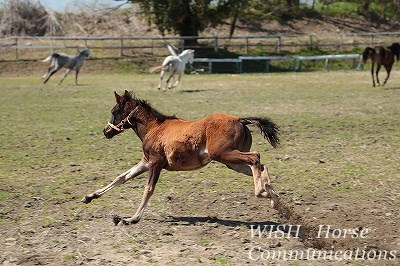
[[341, 42], [278, 44], [121, 48], [326, 64], [294, 63], [247, 45], [310, 40], [16, 48], [216, 44]]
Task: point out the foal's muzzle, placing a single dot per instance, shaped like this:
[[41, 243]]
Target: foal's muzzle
[[111, 130]]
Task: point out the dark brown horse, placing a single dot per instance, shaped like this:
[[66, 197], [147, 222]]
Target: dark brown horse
[[175, 144], [381, 56]]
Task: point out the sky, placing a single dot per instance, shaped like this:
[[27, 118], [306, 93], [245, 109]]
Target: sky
[[59, 5]]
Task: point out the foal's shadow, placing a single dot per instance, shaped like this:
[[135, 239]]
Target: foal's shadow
[[81, 85], [268, 225], [391, 88], [191, 91]]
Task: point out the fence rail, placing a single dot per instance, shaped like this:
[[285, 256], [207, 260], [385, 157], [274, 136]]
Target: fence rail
[[22, 47], [238, 62]]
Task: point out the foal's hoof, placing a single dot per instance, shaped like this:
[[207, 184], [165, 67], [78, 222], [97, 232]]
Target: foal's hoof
[[272, 203], [123, 221], [88, 198], [116, 219]]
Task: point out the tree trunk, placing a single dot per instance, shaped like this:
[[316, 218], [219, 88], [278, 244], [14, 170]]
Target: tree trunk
[[189, 26], [234, 20]]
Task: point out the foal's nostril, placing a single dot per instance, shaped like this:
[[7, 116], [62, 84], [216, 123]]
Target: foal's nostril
[[106, 130]]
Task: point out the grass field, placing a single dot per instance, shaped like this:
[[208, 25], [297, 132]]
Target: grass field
[[338, 163]]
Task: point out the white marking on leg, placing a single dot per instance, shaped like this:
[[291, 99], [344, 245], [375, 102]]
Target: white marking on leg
[[136, 170]]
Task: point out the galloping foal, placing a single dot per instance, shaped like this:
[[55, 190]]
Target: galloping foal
[[175, 144], [59, 60], [381, 56], [174, 64]]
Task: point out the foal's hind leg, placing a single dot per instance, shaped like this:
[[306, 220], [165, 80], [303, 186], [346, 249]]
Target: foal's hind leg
[[378, 68], [248, 163], [49, 75], [372, 74], [48, 72], [138, 169], [262, 183], [161, 78], [388, 69]]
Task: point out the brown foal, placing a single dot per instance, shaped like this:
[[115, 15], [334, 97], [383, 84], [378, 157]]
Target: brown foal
[[380, 55], [175, 144]]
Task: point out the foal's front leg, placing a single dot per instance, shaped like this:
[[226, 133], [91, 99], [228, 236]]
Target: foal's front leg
[[138, 169], [378, 67], [154, 174], [76, 76], [169, 81], [65, 75], [177, 81]]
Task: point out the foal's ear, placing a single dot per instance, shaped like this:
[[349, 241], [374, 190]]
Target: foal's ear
[[129, 95], [117, 98]]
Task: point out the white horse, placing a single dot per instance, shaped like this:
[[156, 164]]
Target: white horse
[[174, 64]]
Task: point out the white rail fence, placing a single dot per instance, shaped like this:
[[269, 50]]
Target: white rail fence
[[33, 48], [356, 63]]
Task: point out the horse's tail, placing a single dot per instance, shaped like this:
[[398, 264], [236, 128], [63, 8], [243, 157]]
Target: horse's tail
[[155, 69], [55, 55], [368, 53], [47, 59], [269, 129]]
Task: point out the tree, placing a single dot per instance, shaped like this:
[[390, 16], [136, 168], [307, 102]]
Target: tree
[[188, 17], [26, 17]]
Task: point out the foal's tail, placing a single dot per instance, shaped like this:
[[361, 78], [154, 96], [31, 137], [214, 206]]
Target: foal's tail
[[55, 55], [269, 129], [368, 53], [155, 69], [47, 59]]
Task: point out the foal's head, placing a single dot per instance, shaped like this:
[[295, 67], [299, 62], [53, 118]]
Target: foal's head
[[395, 48], [188, 55], [85, 52], [119, 114]]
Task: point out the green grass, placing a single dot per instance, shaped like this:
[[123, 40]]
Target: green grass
[[334, 128], [339, 9]]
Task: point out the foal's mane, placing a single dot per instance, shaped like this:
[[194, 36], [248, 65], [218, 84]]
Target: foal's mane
[[159, 116], [186, 52]]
